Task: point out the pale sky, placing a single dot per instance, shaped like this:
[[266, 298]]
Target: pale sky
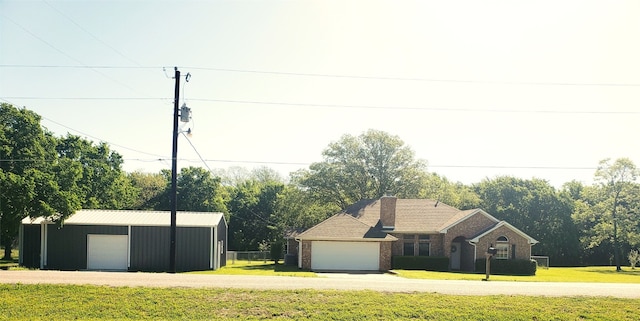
[[478, 89]]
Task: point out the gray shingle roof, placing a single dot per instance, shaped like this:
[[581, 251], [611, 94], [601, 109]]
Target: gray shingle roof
[[412, 215], [345, 227]]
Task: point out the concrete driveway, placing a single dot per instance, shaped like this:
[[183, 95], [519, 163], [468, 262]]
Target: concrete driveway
[[346, 281]]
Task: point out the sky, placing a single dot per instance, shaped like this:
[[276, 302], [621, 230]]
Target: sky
[[477, 89]]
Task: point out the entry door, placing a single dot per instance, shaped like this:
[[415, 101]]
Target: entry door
[[455, 256], [107, 252]]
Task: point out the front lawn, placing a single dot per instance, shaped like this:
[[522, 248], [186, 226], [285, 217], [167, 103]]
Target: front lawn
[[606, 274], [259, 268], [73, 302], [554, 274]]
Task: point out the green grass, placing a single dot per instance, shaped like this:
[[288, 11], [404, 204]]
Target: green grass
[[60, 302], [9, 264], [259, 268], [606, 274]]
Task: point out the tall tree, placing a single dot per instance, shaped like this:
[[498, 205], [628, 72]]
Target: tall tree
[[611, 206], [102, 183], [198, 190], [535, 207], [363, 167], [29, 184], [458, 195], [149, 188], [253, 210]]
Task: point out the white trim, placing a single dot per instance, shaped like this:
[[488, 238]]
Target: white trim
[[475, 253], [20, 244], [128, 246], [43, 244], [504, 223], [213, 247], [299, 253]]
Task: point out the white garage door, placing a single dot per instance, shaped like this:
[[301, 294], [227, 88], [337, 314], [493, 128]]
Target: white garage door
[[107, 252], [345, 256]]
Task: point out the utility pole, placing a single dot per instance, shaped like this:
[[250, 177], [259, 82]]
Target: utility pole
[[174, 175]]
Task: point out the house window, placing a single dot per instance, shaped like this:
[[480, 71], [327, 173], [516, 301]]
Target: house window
[[502, 245], [424, 246], [408, 246]]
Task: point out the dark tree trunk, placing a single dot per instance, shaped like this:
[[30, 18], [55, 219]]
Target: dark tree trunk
[[7, 251]]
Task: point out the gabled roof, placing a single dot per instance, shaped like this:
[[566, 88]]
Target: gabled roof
[[137, 218], [477, 238], [344, 227]]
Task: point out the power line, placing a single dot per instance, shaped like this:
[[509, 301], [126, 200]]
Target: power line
[[364, 77], [67, 55], [442, 109], [102, 140], [197, 153], [344, 106], [77, 66], [464, 81], [580, 168], [91, 34]]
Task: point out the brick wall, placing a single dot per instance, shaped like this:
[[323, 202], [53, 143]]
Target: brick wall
[[306, 255], [385, 256], [388, 211], [522, 246], [466, 229]]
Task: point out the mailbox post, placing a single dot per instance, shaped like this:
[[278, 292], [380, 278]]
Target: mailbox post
[[491, 251]]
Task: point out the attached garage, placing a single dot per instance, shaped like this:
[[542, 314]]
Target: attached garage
[[342, 243], [347, 256], [124, 241]]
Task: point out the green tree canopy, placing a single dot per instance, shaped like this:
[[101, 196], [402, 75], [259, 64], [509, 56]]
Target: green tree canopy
[[535, 207], [607, 213], [363, 167], [101, 183], [436, 187], [149, 188], [253, 214], [29, 180], [197, 191]]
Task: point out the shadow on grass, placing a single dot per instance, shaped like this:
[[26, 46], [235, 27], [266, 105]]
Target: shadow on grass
[[270, 267], [612, 271]]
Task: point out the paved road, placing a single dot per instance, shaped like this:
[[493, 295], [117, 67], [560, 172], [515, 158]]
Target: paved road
[[375, 282]]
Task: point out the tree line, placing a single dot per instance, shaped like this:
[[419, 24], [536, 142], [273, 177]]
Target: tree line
[[44, 175]]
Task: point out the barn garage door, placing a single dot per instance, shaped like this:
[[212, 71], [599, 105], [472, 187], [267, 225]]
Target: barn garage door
[[345, 256], [107, 252]]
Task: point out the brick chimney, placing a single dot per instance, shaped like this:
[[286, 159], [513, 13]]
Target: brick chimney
[[388, 211]]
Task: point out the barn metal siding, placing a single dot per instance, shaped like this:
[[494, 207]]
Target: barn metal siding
[[67, 245], [149, 248], [222, 237], [30, 246], [193, 248]]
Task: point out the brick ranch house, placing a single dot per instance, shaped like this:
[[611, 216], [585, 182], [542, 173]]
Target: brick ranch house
[[366, 235]]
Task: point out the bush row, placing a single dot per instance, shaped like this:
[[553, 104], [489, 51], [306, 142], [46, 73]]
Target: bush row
[[508, 267], [427, 263]]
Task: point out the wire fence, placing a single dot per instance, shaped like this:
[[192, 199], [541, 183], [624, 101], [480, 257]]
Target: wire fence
[[542, 261], [233, 256]]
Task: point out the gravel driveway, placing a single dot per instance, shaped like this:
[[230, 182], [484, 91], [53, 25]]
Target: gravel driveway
[[340, 281]]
